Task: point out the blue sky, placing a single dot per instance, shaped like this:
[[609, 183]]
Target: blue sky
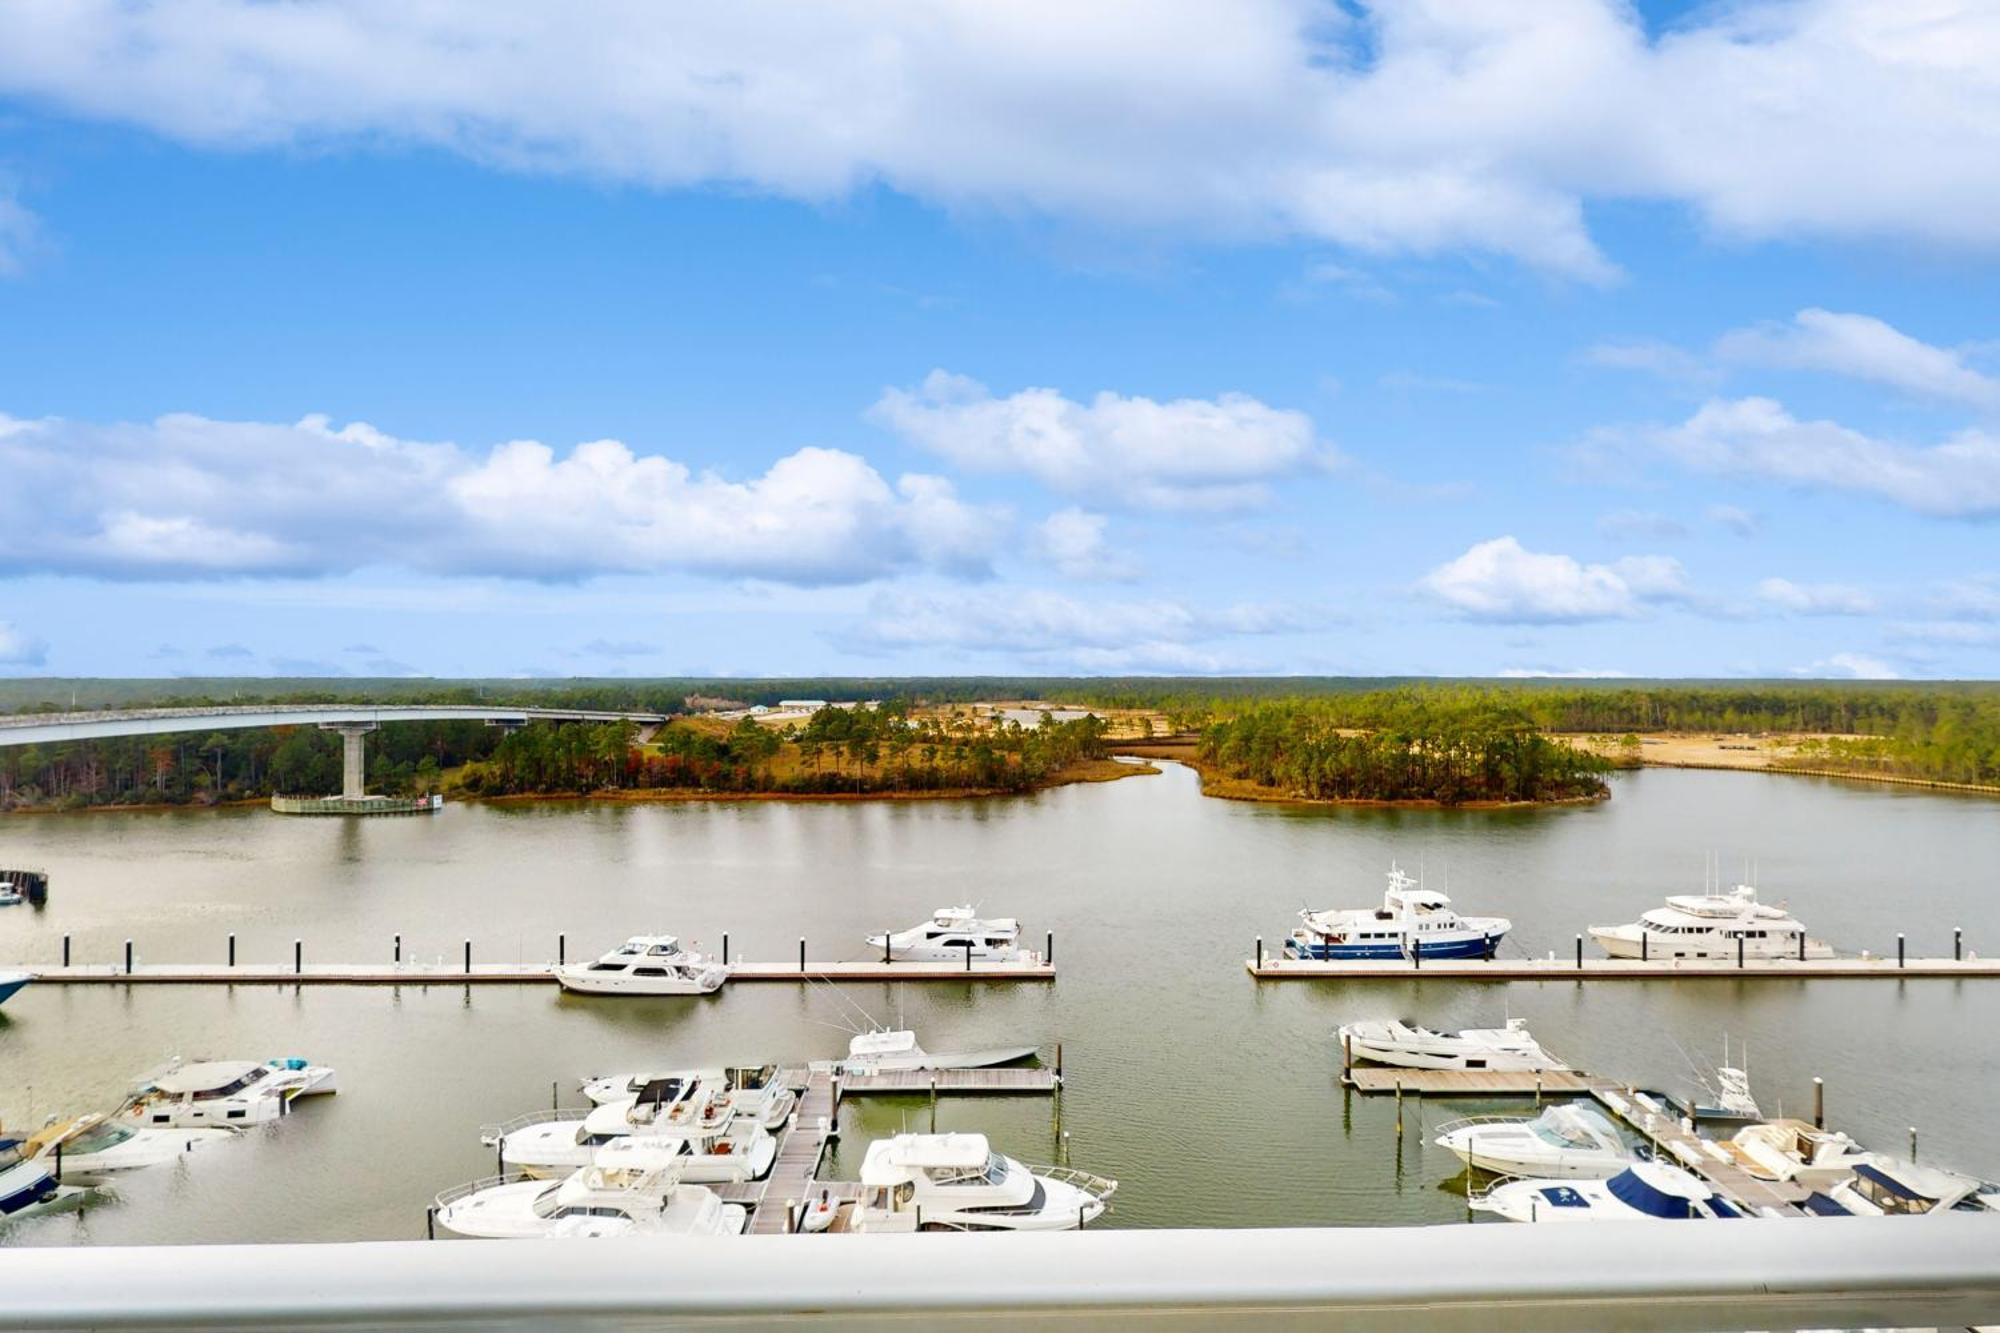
[[1261, 337]]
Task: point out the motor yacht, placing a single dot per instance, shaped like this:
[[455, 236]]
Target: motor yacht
[[1568, 1141], [1881, 1186], [93, 1150], [225, 1093], [1644, 1191], [618, 1197], [1711, 925], [1793, 1150], [645, 965], [1408, 1046], [753, 1093], [949, 934], [887, 1049], [719, 1147], [12, 981], [1412, 921], [28, 1187], [956, 1182]]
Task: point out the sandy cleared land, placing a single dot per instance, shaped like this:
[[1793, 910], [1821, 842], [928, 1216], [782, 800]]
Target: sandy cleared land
[[1710, 750]]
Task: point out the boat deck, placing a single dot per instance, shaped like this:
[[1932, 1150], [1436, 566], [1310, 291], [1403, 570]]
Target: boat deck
[[1621, 969], [1009, 1080]]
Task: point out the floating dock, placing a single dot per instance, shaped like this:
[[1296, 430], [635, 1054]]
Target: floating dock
[[1623, 969], [1470, 1082], [458, 974], [1007, 1080]]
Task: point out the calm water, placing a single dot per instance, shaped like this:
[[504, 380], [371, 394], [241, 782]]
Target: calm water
[[1212, 1099]]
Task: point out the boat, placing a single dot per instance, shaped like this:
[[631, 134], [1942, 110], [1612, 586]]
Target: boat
[[1793, 1150], [956, 1182], [1642, 1192], [820, 1213], [888, 1049], [1568, 1141], [1409, 1046], [1881, 1186], [1712, 925], [954, 934], [12, 981], [616, 1197], [28, 1187], [751, 1092], [1412, 921], [725, 1148], [645, 965], [94, 1149], [208, 1093], [11, 896]]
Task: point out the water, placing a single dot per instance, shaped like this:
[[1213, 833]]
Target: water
[[1214, 1100]]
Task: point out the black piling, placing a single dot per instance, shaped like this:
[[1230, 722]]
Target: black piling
[[802, 953], [399, 950], [298, 957], [968, 955], [128, 958], [725, 948], [1819, 1103], [562, 949], [1899, 948], [232, 948], [1049, 949], [1957, 944], [468, 958], [1579, 953], [1739, 953], [65, 951], [1260, 953]]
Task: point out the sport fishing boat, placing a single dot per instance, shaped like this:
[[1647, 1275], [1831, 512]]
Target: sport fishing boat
[[956, 1182], [1408, 1046], [618, 1195], [1568, 1141], [94, 1150], [11, 981], [645, 965], [1712, 925], [1412, 921], [949, 934], [28, 1187], [752, 1093], [887, 1049], [224, 1093], [1642, 1192], [1793, 1150]]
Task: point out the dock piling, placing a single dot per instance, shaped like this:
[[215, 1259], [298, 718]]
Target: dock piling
[[1802, 944], [1739, 953], [1913, 1143], [1819, 1103], [555, 1097], [1899, 948], [933, 1103], [468, 957], [65, 951], [1579, 953], [1416, 956], [430, 1223], [802, 953], [1957, 944], [1059, 1054], [562, 948], [298, 957], [399, 950], [1645, 949], [1346, 1054], [1399, 1113], [1049, 948], [968, 955], [885, 946], [232, 948], [725, 948], [1260, 953], [128, 958], [1538, 1088]]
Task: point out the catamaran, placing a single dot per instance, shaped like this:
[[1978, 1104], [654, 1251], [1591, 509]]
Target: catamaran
[[1412, 921], [645, 965], [225, 1093], [1712, 925]]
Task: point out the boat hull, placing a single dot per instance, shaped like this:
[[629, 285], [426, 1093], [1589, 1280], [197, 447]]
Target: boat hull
[[11, 983], [1625, 942], [1477, 945], [582, 981]]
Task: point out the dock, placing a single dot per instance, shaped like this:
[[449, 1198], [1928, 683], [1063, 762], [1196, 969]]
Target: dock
[[800, 1147], [1470, 1082], [1009, 1080], [461, 974], [1624, 969]]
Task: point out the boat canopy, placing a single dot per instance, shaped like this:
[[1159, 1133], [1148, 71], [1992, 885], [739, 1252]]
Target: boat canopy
[[1656, 1193]]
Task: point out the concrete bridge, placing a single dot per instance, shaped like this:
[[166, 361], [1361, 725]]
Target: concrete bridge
[[352, 721]]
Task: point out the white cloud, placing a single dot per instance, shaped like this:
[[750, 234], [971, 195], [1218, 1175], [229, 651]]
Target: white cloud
[[1395, 127], [1500, 580], [1853, 666], [1189, 453], [1816, 599], [18, 648], [1862, 347], [1733, 518], [1073, 542], [1757, 437], [191, 497], [1973, 598]]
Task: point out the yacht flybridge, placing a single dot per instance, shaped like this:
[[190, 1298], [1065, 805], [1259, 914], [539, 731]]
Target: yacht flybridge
[[622, 1194], [1404, 1044], [950, 935], [1412, 921], [1568, 1141], [222, 1093], [1642, 1192], [956, 1182], [645, 965], [1712, 925]]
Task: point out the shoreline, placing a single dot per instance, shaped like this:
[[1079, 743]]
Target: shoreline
[[1223, 788]]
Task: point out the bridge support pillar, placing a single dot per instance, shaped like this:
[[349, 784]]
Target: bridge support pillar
[[353, 759]]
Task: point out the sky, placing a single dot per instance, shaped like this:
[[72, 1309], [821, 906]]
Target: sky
[[1448, 337]]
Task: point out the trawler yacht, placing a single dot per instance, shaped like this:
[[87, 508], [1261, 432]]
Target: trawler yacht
[[645, 965], [1643, 1191], [1412, 921], [950, 934], [222, 1093], [627, 1194], [956, 1182], [750, 1093], [1711, 925], [95, 1150], [1411, 1047], [1568, 1141]]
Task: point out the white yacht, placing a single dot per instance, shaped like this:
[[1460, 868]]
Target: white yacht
[[9, 895], [645, 965], [956, 1182], [718, 1146], [28, 1187], [888, 1049], [947, 936], [93, 1150], [751, 1093], [1644, 1191], [1412, 921], [1568, 1141], [1711, 925], [224, 1093], [1396, 1042], [626, 1195], [1793, 1150], [1881, 1186]]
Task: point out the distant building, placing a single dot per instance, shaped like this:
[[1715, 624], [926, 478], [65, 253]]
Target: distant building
[[803, 705]]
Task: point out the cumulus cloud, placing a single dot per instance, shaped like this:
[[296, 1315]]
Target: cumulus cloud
[[18, 648], [1500, 580], [1073, 542], [192, 497], [1816, 599], [1862, 347], [1381, 128], [1851, 666], [1189, 453], [1757, 437]]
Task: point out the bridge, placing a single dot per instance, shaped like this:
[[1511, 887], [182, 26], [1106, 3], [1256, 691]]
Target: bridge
[[352, 721]]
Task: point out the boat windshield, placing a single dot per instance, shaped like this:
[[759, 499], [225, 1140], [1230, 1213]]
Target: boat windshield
[[1558, 1135], [98, 1137], [232, 1088]]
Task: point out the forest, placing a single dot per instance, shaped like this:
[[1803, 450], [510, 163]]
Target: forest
[[1405, 746]]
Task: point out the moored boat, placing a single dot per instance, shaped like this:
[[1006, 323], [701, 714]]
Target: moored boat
[[1409, 1046], [645, 965], [11, 981], [889, 1049], [93, 1149], [952, 935], [1712, 925], [956, 1182], [1793, 1150], [1642, 1192], [1412, 921], [1567, 1141], [1881, 1186], [222, 1093], [28, 1187], [624, 1194], [753, 1093]]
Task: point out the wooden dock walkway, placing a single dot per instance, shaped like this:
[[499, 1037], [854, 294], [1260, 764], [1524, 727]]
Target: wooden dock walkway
[[1469, 1082], [1009, 1080], [1625, 969], [457, 974], [799, 1153]]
